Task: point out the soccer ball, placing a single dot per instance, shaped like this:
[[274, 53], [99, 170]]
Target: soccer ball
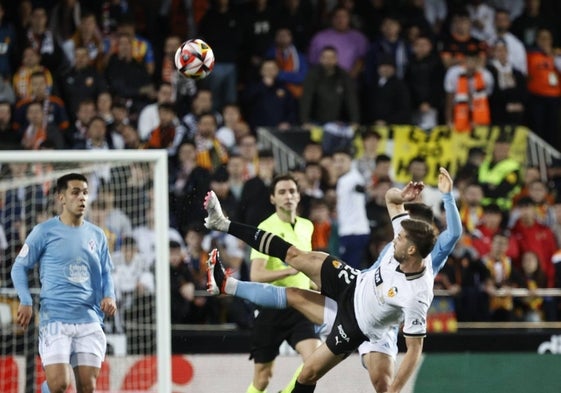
[[194, 59]]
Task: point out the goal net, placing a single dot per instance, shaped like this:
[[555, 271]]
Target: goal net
[[128, 199]]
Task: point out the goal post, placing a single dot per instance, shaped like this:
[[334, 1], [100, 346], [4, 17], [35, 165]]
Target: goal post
[[151, 210]]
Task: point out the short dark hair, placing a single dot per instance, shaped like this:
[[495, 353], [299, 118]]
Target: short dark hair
[[419, 211], [279, 178], [62, 182], [421, 234]]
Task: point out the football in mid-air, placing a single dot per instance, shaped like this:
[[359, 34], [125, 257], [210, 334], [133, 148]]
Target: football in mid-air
[[194, 59]]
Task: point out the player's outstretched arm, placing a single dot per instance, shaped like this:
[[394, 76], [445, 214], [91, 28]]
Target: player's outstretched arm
[[395, 197], [447, 240]]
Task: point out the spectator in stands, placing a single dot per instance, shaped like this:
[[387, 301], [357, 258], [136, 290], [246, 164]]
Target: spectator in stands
[[120, 117], [526, 26], [349, 44], [509, 98], [491, 222], [556, 225], [297, 16], [6, 91], [468, 86], [388, 100], [501, 277], [379, 221], [531, 235], [544, 86], [7, 50], [88, 36], [257, 36], [104, 103], [424, 77], [472, 302], [254, 205], [459, 41], [236, 171], [40, 38], [142, 50], [219, 183], [131, 139], [515, 48], [38, 130], [293, 65], [499, 175], [116, 220], [540, 194], [133, 281], [366, 162], [329, 97], [169, 133], [468, 172], [482, 18], [221, 25], [388, 44], [470, 209], [232, 116], [202, 103], [81, 82], [529, 175], [210, 152], [321, 217], [188, 184], [312, 152], [352, 222], [53, 107], [268, 101], [149, 118], [30, 63], [532, 277], [249, 151], [9, 138], [64, 19], [127, 77], [182, 286], [96, 136]]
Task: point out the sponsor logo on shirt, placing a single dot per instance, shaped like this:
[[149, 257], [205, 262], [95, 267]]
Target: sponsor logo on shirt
[[418, 322], [392, 292], [77, 271], [336, 264]]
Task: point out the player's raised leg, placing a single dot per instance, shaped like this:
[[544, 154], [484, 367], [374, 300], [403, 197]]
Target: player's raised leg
[[308, 262], [309, 303]]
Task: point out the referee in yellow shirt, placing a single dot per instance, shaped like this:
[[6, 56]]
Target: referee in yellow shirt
[[272, 327]]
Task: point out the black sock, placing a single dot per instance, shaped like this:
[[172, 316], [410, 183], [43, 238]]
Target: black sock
[[262, 241], [299, 388]]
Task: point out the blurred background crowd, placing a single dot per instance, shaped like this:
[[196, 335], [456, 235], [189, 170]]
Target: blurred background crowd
[[100, 75]]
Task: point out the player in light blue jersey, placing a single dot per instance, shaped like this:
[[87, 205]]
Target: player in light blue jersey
[[378, 357], [76, 290]]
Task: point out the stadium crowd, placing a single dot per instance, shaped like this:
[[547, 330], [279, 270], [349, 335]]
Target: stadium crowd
[[100, 75]]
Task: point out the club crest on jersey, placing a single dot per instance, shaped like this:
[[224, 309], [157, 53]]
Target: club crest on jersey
[[91, 245], [392, 292], [336, 264]]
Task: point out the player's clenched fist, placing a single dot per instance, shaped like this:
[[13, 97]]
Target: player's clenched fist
[[108, 306]]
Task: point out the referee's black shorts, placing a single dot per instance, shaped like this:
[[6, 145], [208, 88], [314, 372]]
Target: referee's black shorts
[[272, 327]]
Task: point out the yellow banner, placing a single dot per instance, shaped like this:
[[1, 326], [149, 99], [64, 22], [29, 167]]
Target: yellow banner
[[443, 147]]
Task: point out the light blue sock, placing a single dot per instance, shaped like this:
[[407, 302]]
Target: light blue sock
[[264, 295], [45, 388]]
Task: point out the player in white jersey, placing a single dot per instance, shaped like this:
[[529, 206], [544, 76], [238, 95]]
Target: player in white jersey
[[76, 290], [399, 289]]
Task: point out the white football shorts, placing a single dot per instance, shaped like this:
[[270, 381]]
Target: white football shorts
[[77, 344]]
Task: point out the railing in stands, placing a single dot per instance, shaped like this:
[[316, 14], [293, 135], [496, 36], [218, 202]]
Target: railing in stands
[[540, 153]]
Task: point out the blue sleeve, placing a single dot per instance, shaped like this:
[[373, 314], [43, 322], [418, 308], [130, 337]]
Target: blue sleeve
[[447, 240], [26, 260], [107, 286]]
